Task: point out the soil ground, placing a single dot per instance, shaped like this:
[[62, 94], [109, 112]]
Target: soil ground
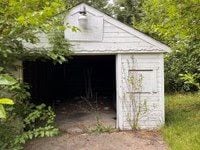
[[76, 133], [105, 141], [83, 116]]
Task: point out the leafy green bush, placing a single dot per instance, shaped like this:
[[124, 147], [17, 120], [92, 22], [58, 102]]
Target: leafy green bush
[[38, 121], [24, 121], [22, 21]]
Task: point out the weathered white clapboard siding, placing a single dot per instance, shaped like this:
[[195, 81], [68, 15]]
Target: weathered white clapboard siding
[[114, 40], [121, 40], [112, 28], [154, 116], [112, 47], [118, 34], [112, 34]]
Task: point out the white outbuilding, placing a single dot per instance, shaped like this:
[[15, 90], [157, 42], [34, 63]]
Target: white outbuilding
[[138, 65]]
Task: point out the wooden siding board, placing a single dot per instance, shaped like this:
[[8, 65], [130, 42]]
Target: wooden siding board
[[117, 34]]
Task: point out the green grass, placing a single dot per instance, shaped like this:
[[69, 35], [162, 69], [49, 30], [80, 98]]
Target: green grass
[[182, 128]]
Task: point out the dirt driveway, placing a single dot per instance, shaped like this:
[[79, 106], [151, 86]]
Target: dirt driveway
[[105, 141], [75, 135]]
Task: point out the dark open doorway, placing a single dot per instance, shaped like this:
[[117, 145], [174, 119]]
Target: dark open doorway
[[86, 76], [83, 80]]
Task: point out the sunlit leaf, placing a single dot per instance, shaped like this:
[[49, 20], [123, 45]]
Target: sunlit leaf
[[6, 101], [6, 79]]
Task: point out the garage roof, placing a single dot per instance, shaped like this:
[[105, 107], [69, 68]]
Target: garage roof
[[107, 35]]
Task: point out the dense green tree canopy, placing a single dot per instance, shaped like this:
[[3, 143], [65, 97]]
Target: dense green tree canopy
[[175, 23], [21, 21], [126, 10]]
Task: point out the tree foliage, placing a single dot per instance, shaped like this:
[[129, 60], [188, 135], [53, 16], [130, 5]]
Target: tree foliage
[[21, 21], [126, 10], [102, 5], [175, 23]]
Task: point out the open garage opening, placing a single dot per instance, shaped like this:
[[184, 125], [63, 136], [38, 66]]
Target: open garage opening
[[76, 89]]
